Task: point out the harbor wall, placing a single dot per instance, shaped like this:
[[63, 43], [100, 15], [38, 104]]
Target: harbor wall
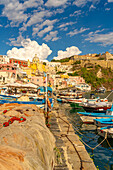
[[73, 155]]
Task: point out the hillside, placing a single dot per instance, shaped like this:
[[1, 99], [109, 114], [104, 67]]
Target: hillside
[[90, 76]]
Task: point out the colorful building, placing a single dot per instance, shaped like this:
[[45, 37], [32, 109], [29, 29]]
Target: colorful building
[[8, 73], [22, 63]]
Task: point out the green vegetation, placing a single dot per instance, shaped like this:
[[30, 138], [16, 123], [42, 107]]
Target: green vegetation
[[60, 72], [62, 60], [97, 55], [91, 76], [44, 63], [101, 58], [73, 74], [77, 62], [90, 67]]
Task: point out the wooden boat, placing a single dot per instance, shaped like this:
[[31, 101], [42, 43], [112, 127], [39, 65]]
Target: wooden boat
[[103, 122], [88, 117], [105, 131], [99, 107], [9, 95], [40, 102]]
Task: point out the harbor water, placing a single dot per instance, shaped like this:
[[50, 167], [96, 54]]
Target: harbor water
[[102, 154]]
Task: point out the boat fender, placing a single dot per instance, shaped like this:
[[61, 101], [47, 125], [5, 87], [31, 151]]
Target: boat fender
[[48, 103]]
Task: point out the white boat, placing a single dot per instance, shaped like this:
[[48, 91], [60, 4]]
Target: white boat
[[101, 90], [83, 87], [105, 132]]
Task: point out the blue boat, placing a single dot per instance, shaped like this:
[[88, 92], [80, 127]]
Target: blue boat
[[103, 122], [40, 103], [88, 117], [105, 131], [108, 114], [90, 114]]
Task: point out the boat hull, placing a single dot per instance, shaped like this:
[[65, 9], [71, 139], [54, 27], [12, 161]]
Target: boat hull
[[106, 131], [103, 122], [96, 109]]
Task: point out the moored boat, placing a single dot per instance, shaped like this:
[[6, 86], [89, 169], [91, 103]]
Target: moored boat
[[96, 107], [88, 117], [101, 90], [105, 131], [103, 122]]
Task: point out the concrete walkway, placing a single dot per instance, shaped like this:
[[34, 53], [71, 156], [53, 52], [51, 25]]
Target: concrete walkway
[[70, 152]]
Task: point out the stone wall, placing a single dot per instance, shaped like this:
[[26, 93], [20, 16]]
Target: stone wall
[[102, 63]]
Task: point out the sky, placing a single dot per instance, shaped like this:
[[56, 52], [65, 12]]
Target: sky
[[55, 29]]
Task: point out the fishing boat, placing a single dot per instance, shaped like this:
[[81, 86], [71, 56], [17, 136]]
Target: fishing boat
[[94, 99], [98, 107], [105, 131], [65, 99], [83, 87], [88, 117], [39, 102], [101, 90], [103, 122]]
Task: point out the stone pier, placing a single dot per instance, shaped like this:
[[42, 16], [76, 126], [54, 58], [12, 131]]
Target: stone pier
[[70, 152]]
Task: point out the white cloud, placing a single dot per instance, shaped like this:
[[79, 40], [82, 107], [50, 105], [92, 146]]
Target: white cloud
[[104, 39], [30, 48], [81, 3], [66, 24], [48, 23], [74, 32], [45, 30], [51, 36], [16, 42], [16, 11], [56, 3], [107, 9], [92, 7], [70, 51], [110, 0], [38, 17], [76, 13]]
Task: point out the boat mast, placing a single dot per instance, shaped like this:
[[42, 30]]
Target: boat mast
[[46, 93]]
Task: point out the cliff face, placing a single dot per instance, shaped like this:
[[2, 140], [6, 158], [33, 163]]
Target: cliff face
[[25, 142]]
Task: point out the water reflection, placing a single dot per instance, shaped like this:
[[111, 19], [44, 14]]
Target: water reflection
[[105, 144], [102, 155], [88, 127]]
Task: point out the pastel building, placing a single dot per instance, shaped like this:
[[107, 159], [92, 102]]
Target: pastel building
[[38, 80], [8, 73], [4, 59]]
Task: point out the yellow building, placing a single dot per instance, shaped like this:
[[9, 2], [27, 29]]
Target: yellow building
[[35, 67]]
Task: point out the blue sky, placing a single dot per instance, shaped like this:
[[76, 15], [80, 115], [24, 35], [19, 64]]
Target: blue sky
[[55, 28]]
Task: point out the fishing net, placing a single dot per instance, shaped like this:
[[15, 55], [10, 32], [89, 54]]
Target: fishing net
[[29, 138]]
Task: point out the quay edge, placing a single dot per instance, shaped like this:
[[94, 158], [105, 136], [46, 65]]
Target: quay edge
[[73, 155]]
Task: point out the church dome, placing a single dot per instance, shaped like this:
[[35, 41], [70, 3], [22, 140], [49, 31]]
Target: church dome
[[35, 59]]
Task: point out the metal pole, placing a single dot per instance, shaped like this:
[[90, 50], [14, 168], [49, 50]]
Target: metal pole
[[46, 93]]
